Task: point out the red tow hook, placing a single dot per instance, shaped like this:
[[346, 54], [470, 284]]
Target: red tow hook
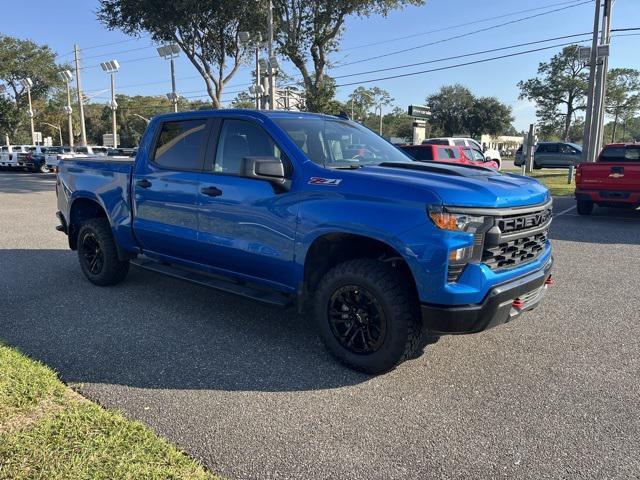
[[549, 281], [517, 304]]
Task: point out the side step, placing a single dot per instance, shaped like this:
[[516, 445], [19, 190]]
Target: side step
[[270, 297]]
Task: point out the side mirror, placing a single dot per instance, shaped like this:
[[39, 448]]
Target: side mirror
[[270, 169]]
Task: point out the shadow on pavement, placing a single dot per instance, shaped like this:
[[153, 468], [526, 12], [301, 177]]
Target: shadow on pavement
[[18, 181], [156, 332]]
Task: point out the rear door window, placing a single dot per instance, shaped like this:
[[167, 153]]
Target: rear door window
[[180, 145], [419, 153], [620, 154], [445, 153]]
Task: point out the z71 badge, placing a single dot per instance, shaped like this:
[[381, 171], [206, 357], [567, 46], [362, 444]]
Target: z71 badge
[[330, 182]]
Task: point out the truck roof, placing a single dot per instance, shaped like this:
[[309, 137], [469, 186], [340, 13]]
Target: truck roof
[[248, 112]]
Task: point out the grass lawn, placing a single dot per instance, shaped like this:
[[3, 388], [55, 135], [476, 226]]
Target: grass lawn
[[555, 180], [47, 431]]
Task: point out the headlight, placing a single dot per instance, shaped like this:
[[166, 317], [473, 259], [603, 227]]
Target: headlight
[[459, 222]]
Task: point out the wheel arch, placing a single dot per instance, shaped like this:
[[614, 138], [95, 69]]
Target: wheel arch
[[329, 249]]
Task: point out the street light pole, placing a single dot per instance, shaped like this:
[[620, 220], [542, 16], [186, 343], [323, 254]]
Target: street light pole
[[83, 128], [171, 52], [112, 67], [57, 127], [586, 154], [27, 84], [272, 86], [67, 76]]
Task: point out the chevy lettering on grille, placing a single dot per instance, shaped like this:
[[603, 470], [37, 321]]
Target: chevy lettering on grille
[[524, 221]]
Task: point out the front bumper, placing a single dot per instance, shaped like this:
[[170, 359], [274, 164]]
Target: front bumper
[[501, 305]]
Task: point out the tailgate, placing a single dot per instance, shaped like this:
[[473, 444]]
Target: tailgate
[[608, 176]]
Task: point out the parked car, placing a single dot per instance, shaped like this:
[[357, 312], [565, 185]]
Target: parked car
[[55, 154], [120, 152], [90, 150], [612, 181], [14, 156], [450, 154], [552, 155], [36, 160], [490, 154], [375, 247]]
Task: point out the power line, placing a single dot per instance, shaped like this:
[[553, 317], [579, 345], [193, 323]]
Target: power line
[[466, 24], [462, 35], [457, 65]]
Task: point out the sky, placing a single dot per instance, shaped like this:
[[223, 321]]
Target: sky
[[447, 25]]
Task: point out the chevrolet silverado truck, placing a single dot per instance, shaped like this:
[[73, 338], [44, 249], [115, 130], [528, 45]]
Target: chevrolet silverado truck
[[278, 207], [612, 181]]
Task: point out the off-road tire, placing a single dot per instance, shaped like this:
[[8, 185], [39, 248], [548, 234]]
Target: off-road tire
[[393, 292], [585, 207], [111, 270]]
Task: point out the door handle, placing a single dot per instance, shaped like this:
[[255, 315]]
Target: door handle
[[144, 183], [212, 191]]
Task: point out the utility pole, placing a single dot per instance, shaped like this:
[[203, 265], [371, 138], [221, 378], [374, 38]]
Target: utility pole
[[83, 129], [605, 40], [586, 154], [257, 86], [594, 120], [27, 84], [531, 145], [272, 86]]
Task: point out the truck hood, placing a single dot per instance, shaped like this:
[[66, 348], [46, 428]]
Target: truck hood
[[463, 186]]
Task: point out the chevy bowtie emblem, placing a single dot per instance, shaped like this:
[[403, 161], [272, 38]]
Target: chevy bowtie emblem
[[616, 175]]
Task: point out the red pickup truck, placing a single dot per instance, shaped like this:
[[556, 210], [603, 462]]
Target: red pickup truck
[[613, 181], [449, 153]]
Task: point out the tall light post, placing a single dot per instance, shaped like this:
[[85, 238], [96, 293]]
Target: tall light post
[[57, 127], [3, 91], [67, 77], [245, 38], [171, 52], [272, 84], [111, 67], [27, 84]]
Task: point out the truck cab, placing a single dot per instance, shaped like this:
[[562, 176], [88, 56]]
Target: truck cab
[[317, 212]]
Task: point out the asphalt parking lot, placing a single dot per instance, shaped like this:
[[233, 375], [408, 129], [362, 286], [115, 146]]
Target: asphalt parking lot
[[251, 392]]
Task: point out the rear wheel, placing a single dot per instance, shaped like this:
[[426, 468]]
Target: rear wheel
[[367, 315], [43, 168], [585, 207], [98, 254]]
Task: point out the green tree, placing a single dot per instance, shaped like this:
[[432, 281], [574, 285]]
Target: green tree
[[21, 59], [360, 102], [243, 100], [559, 91], [207, 32], [488, 115], [623, 95], [308, 31], [450, 108]]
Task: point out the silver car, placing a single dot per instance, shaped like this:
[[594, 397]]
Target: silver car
[[552, 155]]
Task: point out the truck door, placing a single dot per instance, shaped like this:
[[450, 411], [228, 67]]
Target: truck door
[[165, 189], [246, 225]]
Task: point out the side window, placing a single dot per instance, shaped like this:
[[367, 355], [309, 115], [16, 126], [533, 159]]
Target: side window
[[180, 145], [445, 153], [542, 148], [553, 148], [460, 143], [455, 152], [240, 139]]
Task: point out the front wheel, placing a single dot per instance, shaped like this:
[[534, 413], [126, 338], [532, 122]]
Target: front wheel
[[98, 254], [585, 207], [367, 315], [43, 168]]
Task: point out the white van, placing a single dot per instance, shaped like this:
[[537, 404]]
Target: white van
[[14, 155]]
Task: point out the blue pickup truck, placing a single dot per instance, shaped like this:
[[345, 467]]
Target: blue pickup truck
[[319, 212]]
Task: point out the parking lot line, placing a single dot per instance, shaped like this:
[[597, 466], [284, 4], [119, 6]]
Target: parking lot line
[[565, 211]]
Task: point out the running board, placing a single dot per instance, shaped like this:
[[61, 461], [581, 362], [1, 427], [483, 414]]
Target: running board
[[270, 297]]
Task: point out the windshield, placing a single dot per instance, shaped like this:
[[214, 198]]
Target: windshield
[[339, 143]]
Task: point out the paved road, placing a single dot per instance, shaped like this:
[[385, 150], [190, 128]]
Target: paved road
[[251, 392]]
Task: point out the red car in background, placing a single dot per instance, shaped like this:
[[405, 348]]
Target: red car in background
[[612, 181], [449, 154]]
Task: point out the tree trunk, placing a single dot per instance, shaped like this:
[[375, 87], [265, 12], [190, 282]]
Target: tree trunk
[[567, 124], [613, 133]]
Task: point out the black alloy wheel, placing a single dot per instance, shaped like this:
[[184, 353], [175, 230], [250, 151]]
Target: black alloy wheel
[[357, 319], [91, 253]]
